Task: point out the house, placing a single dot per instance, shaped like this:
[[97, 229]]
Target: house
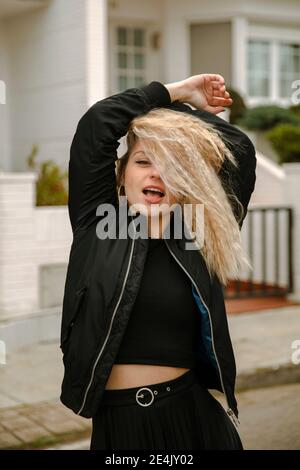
[[58, 57]]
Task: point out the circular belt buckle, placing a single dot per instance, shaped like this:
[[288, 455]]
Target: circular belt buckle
[[137, 396]]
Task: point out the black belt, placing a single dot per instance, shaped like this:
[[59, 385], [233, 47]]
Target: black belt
[[149, 394]]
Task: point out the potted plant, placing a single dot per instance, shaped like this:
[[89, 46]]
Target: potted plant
[[51, 184]]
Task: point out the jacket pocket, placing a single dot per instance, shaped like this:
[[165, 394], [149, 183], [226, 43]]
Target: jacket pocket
[[79, 298]]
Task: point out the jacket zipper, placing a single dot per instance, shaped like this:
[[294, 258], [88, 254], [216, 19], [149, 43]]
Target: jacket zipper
[[109, 330], [229, 411]]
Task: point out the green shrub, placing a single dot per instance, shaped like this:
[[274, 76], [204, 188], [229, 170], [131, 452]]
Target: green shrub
[[51, 185], [266, 117], [285, 139], [238, 107], [295, 109]]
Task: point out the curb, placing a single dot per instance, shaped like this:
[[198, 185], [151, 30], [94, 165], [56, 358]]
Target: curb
[[281, 374]]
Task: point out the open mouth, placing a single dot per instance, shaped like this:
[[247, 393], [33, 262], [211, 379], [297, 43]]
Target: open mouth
[[153, 195]]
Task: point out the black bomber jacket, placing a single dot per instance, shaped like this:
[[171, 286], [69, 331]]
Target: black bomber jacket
[[104, 275]]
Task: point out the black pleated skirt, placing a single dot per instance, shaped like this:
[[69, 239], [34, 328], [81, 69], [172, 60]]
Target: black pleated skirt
[[178, 414]]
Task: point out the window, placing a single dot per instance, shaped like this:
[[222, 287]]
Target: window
[[272, 67], [289, 63], [258, 69], [129, 57]]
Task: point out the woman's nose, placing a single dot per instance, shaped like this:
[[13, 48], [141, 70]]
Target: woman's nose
[[154, 173]]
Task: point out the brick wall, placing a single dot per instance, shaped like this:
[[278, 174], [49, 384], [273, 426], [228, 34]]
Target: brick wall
[[31, 238]]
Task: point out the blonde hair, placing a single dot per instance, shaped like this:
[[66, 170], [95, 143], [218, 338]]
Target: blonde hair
[[189, 154]]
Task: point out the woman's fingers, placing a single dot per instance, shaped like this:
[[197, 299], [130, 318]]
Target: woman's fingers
[[222, 94], [219, 89], [207, 91], [220, 101], [218, 86], [214, 77], [216, 94]]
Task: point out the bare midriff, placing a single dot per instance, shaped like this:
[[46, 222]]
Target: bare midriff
[[136, 375]]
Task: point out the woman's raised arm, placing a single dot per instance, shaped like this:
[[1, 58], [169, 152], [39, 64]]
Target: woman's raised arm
[[92, 177]]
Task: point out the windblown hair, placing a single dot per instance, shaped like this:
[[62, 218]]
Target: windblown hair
[[189, 154]]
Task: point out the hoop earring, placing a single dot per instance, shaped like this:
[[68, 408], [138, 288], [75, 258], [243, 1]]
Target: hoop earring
[[121, 189]]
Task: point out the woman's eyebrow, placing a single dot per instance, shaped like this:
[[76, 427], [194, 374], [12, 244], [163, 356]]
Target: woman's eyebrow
[[139, 151]]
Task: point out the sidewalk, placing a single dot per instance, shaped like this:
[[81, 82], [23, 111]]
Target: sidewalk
[[262, 343], [31, 415]]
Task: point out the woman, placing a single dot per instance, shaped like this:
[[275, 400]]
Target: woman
[[144, 332]]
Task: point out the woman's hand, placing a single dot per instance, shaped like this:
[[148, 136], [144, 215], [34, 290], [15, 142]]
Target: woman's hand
[[205, 91]]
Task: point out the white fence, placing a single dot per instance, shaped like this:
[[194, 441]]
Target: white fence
[[271, 251]]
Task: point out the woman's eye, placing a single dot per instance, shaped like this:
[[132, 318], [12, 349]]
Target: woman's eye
[[143, 162]]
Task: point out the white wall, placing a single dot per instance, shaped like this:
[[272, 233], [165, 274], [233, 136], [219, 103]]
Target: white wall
[[273, 10], [270, 183], [30, 237], [53, 75], [5, 163], [96, 50]]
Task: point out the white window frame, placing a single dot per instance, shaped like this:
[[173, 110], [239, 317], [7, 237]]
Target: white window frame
[[113, 85], [276, 37]]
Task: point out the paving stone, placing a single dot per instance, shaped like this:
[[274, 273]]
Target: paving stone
[[8, 440], [62, 426], [9, 413], [17, 422], [28, 435], [54, 419]]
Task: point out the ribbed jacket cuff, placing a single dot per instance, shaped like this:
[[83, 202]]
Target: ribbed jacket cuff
[[157, 93]]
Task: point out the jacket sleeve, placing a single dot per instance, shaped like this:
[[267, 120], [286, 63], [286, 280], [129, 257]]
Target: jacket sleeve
[[240, 180], [92, 176]]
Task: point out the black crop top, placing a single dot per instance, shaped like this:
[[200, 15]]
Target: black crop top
[[164, 324]]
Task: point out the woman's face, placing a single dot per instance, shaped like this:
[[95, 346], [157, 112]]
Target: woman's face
[[140, 174]]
